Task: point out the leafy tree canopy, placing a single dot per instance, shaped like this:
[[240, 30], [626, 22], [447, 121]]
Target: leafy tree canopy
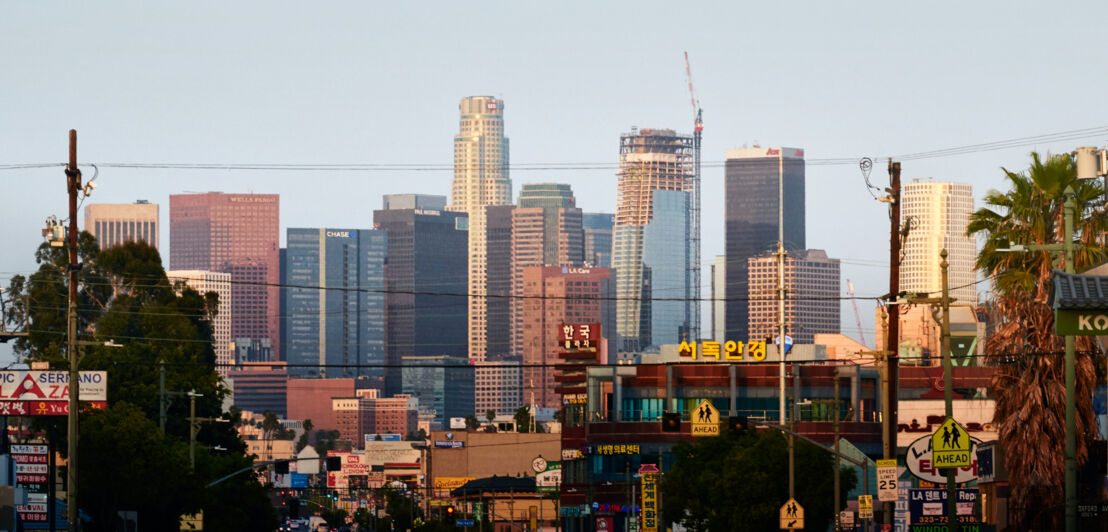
[[739, 482]]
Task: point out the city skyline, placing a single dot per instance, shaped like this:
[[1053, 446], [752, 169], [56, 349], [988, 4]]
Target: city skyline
[[217, 104]]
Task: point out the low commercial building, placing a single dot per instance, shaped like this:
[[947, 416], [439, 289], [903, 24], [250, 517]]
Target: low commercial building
[[460, 456]]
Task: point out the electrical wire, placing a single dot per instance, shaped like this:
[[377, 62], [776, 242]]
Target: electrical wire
[[1068, 135]]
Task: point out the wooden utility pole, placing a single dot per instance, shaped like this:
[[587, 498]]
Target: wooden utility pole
[[892, 338], [73, 186]]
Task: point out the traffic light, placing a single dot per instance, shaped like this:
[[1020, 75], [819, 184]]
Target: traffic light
[[736, 424], [294, 508], [281, 467], [450, 514], [671, 422]]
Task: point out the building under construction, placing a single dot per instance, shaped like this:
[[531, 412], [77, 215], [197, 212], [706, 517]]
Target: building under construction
[[656, 230]]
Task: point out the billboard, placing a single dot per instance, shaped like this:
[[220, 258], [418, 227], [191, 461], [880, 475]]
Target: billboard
[[46, 393]]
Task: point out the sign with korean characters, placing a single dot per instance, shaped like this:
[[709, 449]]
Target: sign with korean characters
[[46, 393], [729, 351], [865, 507], [950, 445], [886, 480], [650, 508], [928, 506], [580, 336], [705, 419], [792, 516]]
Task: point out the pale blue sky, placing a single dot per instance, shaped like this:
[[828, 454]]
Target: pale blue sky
[[365, 82]]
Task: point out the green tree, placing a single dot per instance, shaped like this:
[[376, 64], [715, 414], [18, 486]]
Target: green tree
[[124, 295], [524, 420], [710, 474], [270, 426], [490, 415], [305, 436], [471, 422], [1028, 381]]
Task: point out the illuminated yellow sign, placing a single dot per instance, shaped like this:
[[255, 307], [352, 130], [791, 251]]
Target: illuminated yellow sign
[[751, 351], [649, 502], [450, 483], [617, 449]]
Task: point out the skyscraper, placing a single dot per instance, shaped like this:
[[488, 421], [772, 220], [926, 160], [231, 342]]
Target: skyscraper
[[553, 296], [480, 179], [756, 180], [719, 298], [546, 231], [236, 234], [425, 283], [598, 238], [220, 283], [937, 213], [652, 253], [344, 323], [812, 305], [115, 223]]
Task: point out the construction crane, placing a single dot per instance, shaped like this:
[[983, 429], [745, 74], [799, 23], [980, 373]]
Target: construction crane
[[694, 229], [857, 316]]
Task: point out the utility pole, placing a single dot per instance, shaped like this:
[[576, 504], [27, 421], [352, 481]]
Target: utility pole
[[1071, 393], [163, 395], [892, 339], [73, 186], [781, 313], [948, 394], [835, 432]]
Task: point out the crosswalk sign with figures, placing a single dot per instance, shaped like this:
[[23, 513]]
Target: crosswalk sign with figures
[[705, 419], [792, 515], [950, 445]]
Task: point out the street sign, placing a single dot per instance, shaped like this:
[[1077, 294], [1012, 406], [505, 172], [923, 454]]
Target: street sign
[[1080, 322], [886, 480], [846, 519], [950, 445], [928, 506], [705, 419], [865, 506], [192, 522], [791, 515], [921, 463], [464, 522]]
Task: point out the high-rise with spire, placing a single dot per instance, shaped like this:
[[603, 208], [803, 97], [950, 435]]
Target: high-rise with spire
[[480, 179]]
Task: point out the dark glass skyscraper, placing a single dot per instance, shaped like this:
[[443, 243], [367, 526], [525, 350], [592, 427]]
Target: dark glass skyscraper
[[598, 238], [751, 194], [426, 280], [343, 324]]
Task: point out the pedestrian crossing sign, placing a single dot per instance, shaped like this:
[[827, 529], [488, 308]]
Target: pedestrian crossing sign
[[792, 515], [950, 445], [705, 419]]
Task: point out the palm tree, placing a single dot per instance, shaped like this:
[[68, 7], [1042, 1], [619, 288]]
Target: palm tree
[[1028, 382], [270, 424]]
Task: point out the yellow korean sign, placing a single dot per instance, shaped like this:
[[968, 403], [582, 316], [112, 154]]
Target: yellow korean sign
[[752, 351], [649, 502]]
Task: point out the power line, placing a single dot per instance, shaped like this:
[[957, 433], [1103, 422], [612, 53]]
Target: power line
[[1074, 134]]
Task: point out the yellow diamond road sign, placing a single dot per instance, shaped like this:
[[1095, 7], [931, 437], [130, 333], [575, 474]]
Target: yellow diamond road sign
[[950, 445], [792, 515], [193, 522], [705, 419]]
